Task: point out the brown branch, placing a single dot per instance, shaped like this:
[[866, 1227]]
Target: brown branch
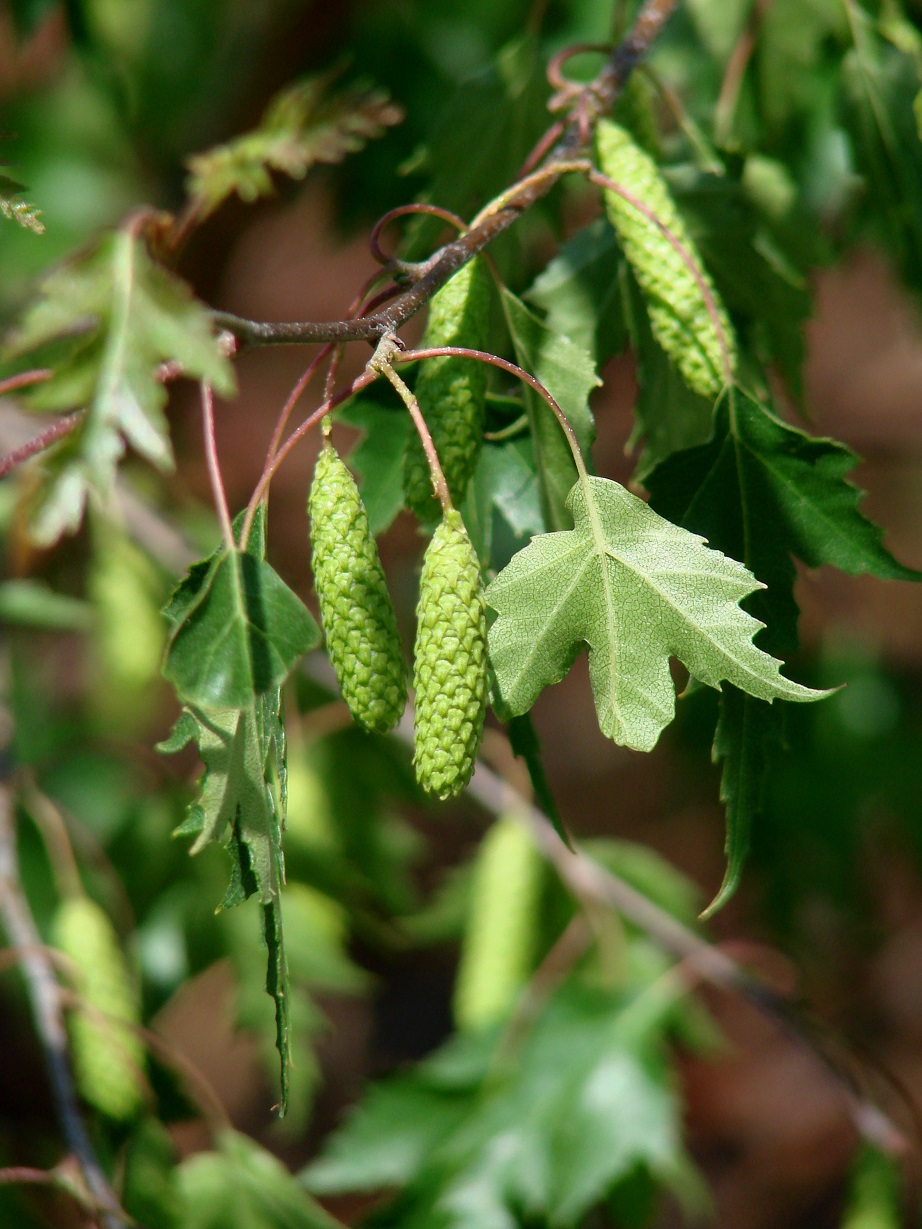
[[595, 886], [594, 101], [45, 996]]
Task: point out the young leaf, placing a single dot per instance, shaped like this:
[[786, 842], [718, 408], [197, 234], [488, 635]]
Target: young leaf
[[301, 127], [16, 208], [118, 316], [569, 375], [235, 717], [237, 632], [636, 590]]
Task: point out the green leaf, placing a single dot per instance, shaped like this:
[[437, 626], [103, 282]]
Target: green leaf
[[235, 717], [875, 1192], [31, 603], [746, 741], [569, 375], [483, 134], [580, 292], [477, 1141], [764, 490], [242, 1186], [502, 505], [378, 456], [117, 316], [668, 414], [237, 632], [301, 127], [636, 590], [241, 804]]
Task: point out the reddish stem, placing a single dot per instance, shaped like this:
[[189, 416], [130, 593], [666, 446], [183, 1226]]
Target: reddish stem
[[214, 469], [24, 380], [58, 429], [688, 260]]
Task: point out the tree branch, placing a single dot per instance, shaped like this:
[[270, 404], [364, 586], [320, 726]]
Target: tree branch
[[45, 997], [591, 103]]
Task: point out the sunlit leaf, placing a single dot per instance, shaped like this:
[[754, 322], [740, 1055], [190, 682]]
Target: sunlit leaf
[[302, 126], [635, 590]]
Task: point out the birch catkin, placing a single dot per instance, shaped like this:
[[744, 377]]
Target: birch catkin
[[450, 663], [697, 335], [355, 607], [451, 391]]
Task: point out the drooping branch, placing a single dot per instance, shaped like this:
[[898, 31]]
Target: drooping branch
[[45, 997], [593, 101]]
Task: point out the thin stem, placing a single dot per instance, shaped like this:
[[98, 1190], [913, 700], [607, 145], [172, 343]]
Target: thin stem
[[412, 356], [382, 362], [25, 379], [45, 996], [595, 886], [595, 100], [735, 72], [58, 429], [367, 377], [688, 260], [293, 399], [214, 469]]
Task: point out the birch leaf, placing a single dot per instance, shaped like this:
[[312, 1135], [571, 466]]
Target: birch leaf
[[636, 590]]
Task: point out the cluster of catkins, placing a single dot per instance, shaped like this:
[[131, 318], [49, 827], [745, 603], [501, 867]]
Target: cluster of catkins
[[450, 656]]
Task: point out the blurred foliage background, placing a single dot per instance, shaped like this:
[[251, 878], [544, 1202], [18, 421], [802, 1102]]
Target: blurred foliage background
[[100, 103]]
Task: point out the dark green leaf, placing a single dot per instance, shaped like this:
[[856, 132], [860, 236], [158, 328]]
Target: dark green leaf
[[746, 742], [766, 491], [569, 375], [502, 505], [580, 292], [237, 632], [378, 456]]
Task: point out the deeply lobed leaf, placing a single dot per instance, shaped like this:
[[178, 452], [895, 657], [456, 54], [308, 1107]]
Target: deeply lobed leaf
[[118, 315], [636, 590], [301, 127]]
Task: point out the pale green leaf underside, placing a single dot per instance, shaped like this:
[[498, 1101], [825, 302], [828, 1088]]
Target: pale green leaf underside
[[636, 590]]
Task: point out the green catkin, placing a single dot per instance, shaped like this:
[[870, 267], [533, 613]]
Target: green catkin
[[451, 391], [107, 1053], [450, 663], [679, 315], [499, 934], [355, 607]]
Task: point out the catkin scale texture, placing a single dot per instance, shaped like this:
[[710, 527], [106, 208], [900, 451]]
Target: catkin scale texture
[[450, 662], [355, 607], [679, 315], [451, 391], [107, 1055]]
